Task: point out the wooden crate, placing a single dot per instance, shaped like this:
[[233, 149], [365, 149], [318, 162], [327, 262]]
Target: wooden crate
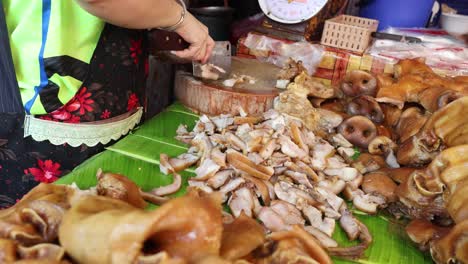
[[349, 32]]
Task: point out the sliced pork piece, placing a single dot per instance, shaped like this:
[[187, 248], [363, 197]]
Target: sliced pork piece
[[182, 130], [267, 150], [164, 165], [231, 185], [220, 178], [334, 184], [349, 224], [325, 240], [278, 159], [241, 201], [287, 192], [243, 130], [207, 169], [183, 161], [298, 137], [236, 142], [299, 178], [169, 189], [320, 152], [242, 163], [307, 170], [218, 140], [271, 220], [204, 145], [332, 199], [367, 202], [260, 187], [255, 157], [271, 114], [336, 162], [218, 157], [201, 185], [315, 218], [287, 211], [291, 149], [222, 121], [346, 174]]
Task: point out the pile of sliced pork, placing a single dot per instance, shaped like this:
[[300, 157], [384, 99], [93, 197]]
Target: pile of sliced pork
[[274, 169]]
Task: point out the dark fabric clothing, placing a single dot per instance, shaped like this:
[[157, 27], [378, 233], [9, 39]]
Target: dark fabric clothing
[[10, 99], [114, 83]]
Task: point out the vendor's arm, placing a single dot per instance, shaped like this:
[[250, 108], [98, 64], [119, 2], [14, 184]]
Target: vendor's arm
[[143, 14]]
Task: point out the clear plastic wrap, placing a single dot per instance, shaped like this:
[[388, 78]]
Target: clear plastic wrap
[[440, 50], [278, 52]]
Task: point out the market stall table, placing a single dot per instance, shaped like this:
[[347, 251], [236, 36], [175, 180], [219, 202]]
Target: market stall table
[[137, 156]]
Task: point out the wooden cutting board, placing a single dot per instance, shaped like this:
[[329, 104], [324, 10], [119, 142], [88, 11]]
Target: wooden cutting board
[[213, 98]]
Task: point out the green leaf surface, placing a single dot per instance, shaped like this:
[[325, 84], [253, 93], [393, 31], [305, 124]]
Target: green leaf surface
[[137, 157]]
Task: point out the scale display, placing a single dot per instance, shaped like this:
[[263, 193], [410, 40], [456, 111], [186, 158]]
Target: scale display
[[291, 11]]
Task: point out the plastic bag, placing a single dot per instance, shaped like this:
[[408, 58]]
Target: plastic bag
[[278, 52], [441, 51]]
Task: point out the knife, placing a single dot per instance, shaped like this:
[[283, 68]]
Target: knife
[[400, 38], [218, 65]]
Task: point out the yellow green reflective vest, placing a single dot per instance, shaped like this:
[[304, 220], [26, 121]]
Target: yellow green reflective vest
[[47, 38]]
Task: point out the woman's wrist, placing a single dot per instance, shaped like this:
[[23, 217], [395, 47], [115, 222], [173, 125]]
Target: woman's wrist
[[182, 16]]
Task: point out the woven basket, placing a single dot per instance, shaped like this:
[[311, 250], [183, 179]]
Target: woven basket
[[349, 32]]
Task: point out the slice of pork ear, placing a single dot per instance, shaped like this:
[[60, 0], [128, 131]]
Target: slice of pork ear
[[44, 251], [45, 216], [169, 189]]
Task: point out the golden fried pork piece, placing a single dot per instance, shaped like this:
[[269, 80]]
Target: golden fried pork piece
[[36, 217], [448, 127], [120, 187], [445, 180], [417, 83], [187, 228]]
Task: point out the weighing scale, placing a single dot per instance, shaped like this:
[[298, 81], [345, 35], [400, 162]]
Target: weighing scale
[[288, 19]]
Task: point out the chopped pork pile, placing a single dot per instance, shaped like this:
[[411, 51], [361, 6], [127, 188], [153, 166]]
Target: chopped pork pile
[[274, 169]]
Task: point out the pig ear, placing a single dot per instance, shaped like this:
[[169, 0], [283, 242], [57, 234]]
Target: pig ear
[[99, 173]]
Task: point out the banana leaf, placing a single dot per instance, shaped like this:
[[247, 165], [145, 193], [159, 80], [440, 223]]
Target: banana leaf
[[137, 157]]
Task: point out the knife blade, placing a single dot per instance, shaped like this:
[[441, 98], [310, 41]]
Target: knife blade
[[400, 38], [218, 65]]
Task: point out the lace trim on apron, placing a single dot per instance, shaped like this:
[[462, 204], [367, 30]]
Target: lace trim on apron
[[89, 134]]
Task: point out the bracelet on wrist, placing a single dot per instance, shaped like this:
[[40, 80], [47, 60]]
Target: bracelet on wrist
[[181, 20]]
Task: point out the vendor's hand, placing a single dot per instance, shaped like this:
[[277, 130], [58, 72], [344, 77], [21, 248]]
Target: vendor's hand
[[196, 34]]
